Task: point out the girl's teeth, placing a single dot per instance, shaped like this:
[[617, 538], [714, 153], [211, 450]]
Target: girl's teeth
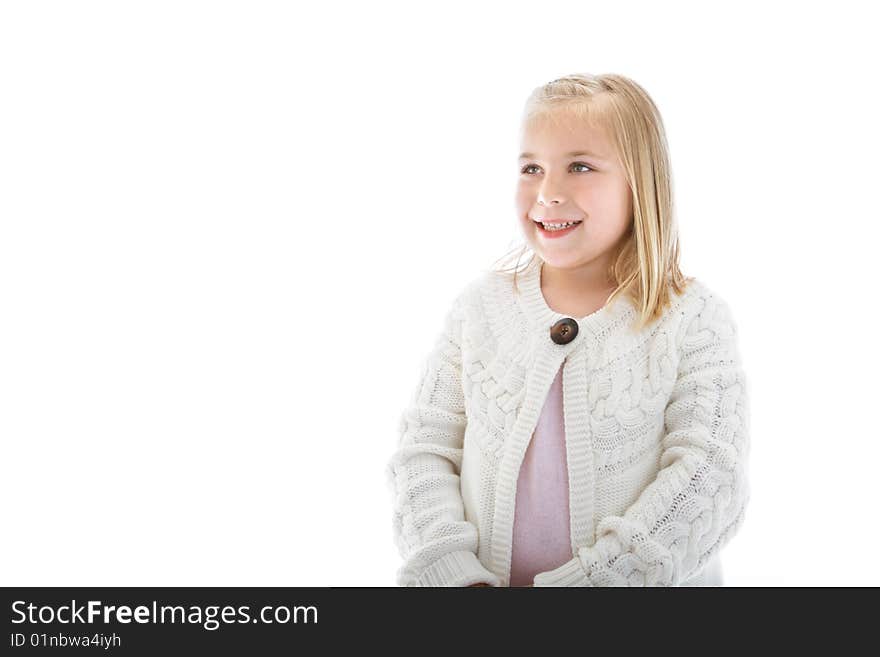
[[559, 226]]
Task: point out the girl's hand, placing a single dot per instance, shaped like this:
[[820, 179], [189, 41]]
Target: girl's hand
[[528, 586]]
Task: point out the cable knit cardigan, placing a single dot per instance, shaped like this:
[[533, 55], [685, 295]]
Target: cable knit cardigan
[[656, 426]]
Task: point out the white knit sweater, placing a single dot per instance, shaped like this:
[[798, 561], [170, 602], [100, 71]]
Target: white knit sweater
[[656, 426]]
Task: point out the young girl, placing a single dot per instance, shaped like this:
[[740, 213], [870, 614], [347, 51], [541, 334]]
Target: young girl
[[582, 421]]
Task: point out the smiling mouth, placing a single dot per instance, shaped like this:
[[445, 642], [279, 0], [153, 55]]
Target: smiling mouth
[[557, 227]]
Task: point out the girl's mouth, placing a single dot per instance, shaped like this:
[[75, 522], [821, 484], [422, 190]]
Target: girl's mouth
[[552, 232]]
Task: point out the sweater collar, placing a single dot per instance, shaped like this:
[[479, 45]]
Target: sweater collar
[[544, 317]]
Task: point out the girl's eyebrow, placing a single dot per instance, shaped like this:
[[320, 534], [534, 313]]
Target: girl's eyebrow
[[528, 156]]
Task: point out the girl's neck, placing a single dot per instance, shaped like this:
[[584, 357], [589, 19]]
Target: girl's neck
[[576, 292]]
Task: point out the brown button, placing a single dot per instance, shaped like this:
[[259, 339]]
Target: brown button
[[564, 331]]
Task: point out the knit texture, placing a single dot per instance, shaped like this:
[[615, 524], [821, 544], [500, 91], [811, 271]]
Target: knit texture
[[656, 435]]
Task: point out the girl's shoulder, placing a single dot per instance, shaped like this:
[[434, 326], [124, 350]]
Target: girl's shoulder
[[701, 304], [484, 284]]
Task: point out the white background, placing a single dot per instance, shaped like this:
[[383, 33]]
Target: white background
[[229, 232]]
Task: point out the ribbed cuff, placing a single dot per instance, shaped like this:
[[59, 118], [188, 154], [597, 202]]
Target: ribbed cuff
[[571, 573], [461, 568]]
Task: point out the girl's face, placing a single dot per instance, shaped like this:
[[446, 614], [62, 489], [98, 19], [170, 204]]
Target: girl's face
[[568, 172]]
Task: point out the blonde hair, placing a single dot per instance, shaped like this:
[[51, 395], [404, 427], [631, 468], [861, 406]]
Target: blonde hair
[[645, 268]]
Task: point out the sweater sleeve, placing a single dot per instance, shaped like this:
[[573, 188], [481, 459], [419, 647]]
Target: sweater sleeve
[[437, 543], [697, 501]]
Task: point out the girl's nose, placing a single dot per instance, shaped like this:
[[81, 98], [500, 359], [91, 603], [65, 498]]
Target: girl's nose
[[548, 194]]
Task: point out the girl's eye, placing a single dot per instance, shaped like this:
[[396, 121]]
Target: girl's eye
[[526, 168]]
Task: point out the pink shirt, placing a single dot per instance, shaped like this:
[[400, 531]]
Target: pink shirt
[[541, 531]]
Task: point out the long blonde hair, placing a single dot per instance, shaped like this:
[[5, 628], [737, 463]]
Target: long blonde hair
[[646, 268]]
